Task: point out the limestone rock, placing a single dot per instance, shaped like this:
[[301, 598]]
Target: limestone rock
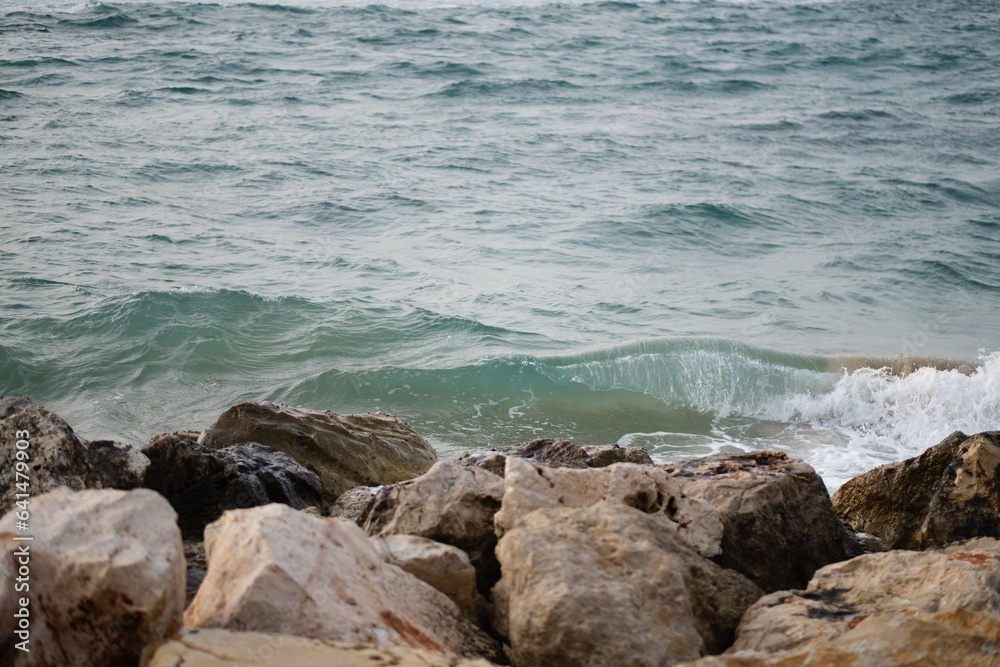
[[200, 484], [58, 457], [965, 576], [225, 648], [449, 504], [610, 585], [107, 577], [553, 452], [344, 450], [529, 486], [443, 566], [950, 492], [275, 570], [606, 455], [353, 504], [779, 523]]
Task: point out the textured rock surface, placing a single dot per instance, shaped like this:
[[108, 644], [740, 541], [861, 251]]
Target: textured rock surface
[[107, 577], [225, 648], [353, 504], [605, 455], [610, 585], [554, 452], [950, 492], [962, 576], [344, 450], [443, 566], [529, 486], [779, 524], [201, 484], [58, 457], [274, 569], [450, 504]]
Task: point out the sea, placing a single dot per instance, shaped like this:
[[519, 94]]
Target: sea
[[694, 227]]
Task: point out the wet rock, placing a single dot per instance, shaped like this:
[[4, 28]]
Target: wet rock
[[273, 569], [529, 487], [443, 566], [449, 504], [201, 484], [778, 522], [553, 452], [226, 648], [962, 576], [106, 577], [950, 492], [344, 450], [610, 585], [353, 504], [603, 456]]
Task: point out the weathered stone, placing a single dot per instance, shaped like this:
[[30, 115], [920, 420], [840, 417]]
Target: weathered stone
[[273, 569], [225, 648], [106, 577], [603, 456], [57, 456], [779, 523], [443, 566], [553, 452], [529, 486], [197, 568], [448, 504], [965, 576], [201, 484], [353, 504], [950, 492], [344, 450], [610, 585]]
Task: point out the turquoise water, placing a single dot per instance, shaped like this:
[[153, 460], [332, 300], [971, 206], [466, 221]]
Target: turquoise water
[[649, 223]]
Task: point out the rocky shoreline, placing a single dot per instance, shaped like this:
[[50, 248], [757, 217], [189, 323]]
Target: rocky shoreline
[[283, 536]]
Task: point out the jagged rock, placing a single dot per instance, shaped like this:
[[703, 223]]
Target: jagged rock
[[443, 566], [225, 648], [353, 504], [553, 452], [344, 450], [950, 492], [965, 576], [273, 569], [610, 585], [449, 504], [57, 456], [197, 568], [200, 484], [106, 577], [603, 456], [778, 522], [529, 487]]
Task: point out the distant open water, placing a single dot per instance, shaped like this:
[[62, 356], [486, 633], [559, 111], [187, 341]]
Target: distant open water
[[659, 224]]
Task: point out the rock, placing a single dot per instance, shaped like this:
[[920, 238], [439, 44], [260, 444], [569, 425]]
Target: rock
[[57, 456], [950, 492], [448, 504], [106, 577], [965, 576], [443, 566], [273, 569], [353, 504], [608, 454], [553, 452], [529, 487], [610, 585], [344, 450], [779, 523], [197, 568], [200, 484], [225, 648]]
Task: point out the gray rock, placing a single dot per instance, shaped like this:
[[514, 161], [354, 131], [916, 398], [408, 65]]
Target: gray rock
[[603, 456], [353, 504]]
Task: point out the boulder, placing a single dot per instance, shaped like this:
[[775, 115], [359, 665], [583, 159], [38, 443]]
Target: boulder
[[273, 569], [344, 450], [529, 487], [951, 492], [553, 452], [449, 504], [57, 456], [353, 504], [201, 484], [443, 566], [778, 522], [106, 577], [605, 455], [965, 576], [226, 648], [610, 585], [197, 568]]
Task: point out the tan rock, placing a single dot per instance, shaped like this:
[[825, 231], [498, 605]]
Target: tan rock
[[553, 452], [353, 504], [950, 492], [106, 576], [529, 487], [778, 522], [605, 455], [443, 566], [344, 450], [273, 569], [610, 585]]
